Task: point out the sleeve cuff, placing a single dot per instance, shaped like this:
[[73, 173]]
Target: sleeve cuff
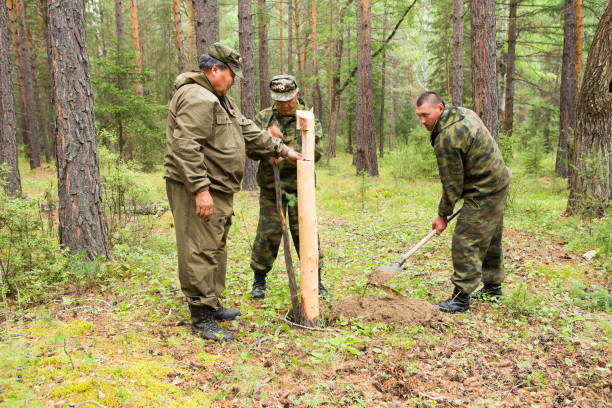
[[195, 188]]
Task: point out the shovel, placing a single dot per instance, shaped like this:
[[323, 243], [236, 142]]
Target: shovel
[[380, 276]]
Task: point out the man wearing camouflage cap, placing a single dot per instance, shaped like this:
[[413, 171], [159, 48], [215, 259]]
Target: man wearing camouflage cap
[[285, 93], [471, 167], [207, 141]]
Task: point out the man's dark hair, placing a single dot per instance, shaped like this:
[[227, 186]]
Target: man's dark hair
[[430, 98], [207, 62]]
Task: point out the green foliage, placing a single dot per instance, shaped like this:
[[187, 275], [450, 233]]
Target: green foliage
[[595, 298], [505, 146], [593, 173], [533, 158], [520, 302], [415, 160]]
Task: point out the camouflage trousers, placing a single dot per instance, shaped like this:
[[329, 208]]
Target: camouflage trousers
[[270, 233], [477, 242]]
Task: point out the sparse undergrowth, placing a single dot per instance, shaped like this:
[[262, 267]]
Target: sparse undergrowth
[[120, 337]]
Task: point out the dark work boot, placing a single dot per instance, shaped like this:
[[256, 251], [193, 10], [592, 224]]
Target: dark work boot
[[458, 302], [203, 324], [489, 293], [259, 286], [222, 314]]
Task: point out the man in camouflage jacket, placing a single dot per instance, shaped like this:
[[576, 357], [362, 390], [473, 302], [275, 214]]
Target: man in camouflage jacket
[[207, 141], [471, 167], [285, 94]]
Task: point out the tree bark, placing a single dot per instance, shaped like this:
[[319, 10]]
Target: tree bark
[[335, 100], [191, 33], [391, 110], [579, 36], [315, 63], [290, 37], [136, 46], [121, 85], [264, 75], [281, 50], [298, 41], [590, 175], [207, 24], [457, 90], [510, 63], [178, 29], [567, 95], [247, 94], [484, 66], [365, 142], [81, 226], [381, 117], [8, 129], [15, 9]]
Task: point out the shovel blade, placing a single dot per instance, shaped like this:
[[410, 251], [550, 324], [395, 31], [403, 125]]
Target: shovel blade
[[383, 274]]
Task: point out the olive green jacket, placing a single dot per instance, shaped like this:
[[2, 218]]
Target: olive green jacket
[[469, 160], [291, 137], [208, 138]]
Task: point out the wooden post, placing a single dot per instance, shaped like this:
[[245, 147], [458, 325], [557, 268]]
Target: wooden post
[[307, 210]]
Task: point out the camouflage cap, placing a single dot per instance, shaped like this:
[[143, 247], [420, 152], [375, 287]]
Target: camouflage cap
[[283, 88], [228, 56]]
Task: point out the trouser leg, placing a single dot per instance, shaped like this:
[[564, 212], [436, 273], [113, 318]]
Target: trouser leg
[[200, 244], [477, 238], [268, 236], [493, 272]]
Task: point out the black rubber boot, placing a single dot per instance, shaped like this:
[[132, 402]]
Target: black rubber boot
[[222, 314], [259, 286], [458, 302], [203, 324], [488, 293]]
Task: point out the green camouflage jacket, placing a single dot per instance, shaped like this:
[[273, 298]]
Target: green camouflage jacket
[[208, 138], [469, 160], [291, 137]]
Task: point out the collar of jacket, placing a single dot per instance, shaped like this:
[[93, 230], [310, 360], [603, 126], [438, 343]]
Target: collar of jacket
[[201, 79], [449, 116]]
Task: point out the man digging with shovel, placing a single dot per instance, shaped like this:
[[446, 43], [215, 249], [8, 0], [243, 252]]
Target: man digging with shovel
[[471, 167]]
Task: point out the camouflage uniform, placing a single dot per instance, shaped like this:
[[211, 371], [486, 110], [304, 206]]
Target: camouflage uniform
[[207, 141], [269, 232], [471, 167]]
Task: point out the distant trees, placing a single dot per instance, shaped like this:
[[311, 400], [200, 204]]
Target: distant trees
[[484, 66], [81, 226], [510, 62], [8, 128], [590, 172], [567, 97], [264, 75], [176, 8], [457, 92]]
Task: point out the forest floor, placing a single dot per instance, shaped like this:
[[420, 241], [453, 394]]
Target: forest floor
[[125, 340]]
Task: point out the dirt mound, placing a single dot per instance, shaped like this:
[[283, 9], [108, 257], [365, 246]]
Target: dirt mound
[[388, 309]]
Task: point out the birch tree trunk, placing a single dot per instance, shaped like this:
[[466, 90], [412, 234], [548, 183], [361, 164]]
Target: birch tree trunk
[[484, 66], [457, 91], [590, 175], [207, 24], [247, 94], [81, 226], [8, 129], [567, 94]]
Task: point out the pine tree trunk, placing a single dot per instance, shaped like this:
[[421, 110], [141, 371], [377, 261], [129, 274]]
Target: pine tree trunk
[[207, 24], [264, 75], [579, 36], [457, 91], [44, 47], [8, 129], [365, 142], [484, 65], [290, 37], [391, 111], [40, 118], [24, 80], [590, 175], [247, 94], [298, 40], [280, 37], [510, 63], [123, 148], [381, 117], [178, 30], [335, 102], [315, 63], [567, 96], [81, 226], [191, 57], [136, 45]]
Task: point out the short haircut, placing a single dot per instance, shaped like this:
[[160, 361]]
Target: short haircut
[[431, 98], [207, 62]]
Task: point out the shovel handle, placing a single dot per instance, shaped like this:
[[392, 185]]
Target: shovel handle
[[422, 242]]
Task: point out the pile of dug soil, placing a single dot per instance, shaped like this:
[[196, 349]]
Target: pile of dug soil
[[388, 309]]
